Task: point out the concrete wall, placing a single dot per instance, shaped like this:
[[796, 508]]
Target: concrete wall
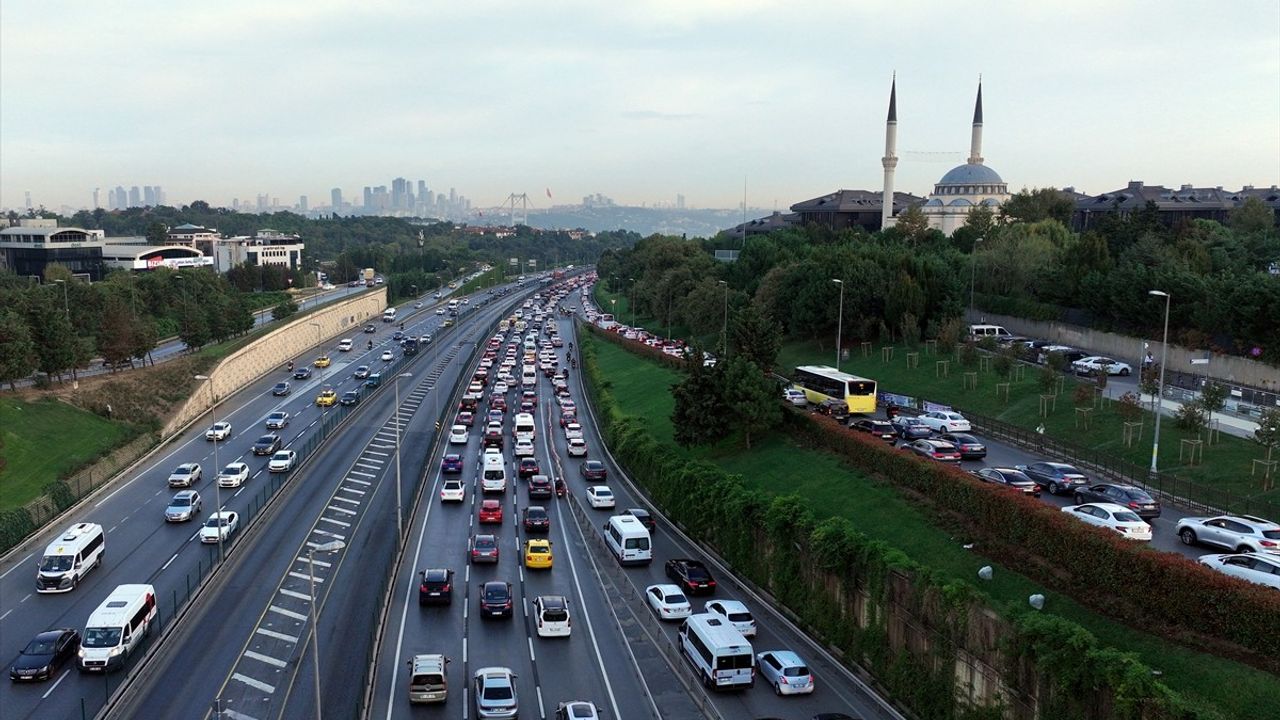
[[1130, 349], [295, 341]]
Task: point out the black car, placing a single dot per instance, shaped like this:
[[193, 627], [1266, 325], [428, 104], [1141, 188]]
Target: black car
[[436, 587], [371, 328], [594, 470], [969, 446], [535, 519], [281, 389], [302, 373], [644, 517], [876, 428], [834, 407], [910, 428], [42, 657], [397, 335], [1134, 498], [350, 397], [691, 575], [1009, 478], [540, 486], [495, 599], [267, 444], [1055, 477]]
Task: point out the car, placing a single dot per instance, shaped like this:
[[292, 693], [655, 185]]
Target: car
[[373, 381], [528, 466], [458, 435], [834, 407], [539, 486], [691, 575], [302, 373], [349, 398], [233, 475], [435, 586], [501, 388], [594, 470], [439, 311], [491, 512], [282, 461], [370, 328], [447, 323], [219, 432], [417, 305], [644, 517], [495, 599], [567, 417], [44, 655], [1055, 477], [600, 497], [1253, 567], [573, 431], [1010, 478], [328, 397], [362, 372], [551, 616], [535, 519], [281, 389], [524, 449], [970, 447], [537, 554], [1134, 498], [494, 416], [387, 356], [528, 406], [483, 548], [795, 396], [668, 602], [267, 444], [495, 693], [1112, 517], [452, 490], [452, 463], [493, 437], [785, 672], [1237, 533], [735, 613], [184, 506], [185, 475], [466, 417], [1094, 364], [322, 362], [934, 450], [577, 447], [942, 421], [277, 420], [219, 526], [910, 428], [876, 428], [397, 335]]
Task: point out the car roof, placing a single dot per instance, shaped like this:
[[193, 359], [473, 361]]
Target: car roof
[[733, 605], [786, 657], [184, 493], [553, 601], [668, 589], [436, 574]]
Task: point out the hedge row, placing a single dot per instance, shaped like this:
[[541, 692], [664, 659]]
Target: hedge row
[[760, 537]]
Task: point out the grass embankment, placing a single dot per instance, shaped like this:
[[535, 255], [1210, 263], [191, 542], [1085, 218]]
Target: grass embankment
[[484, 280], [44, 440], [776, 466]]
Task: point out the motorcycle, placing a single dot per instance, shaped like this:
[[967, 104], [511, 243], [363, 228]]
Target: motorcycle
[[560, 487], [289, 367], [370, 344]]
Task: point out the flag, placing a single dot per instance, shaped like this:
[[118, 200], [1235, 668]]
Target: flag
[[548, 192]]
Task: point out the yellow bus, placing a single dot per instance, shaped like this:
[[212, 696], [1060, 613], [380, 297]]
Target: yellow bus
[[820, 382]]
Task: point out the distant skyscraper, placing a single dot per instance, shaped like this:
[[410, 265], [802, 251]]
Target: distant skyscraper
[[335, 199], [263, 202], [302, 204], [135, 197], [96, 203], [368, 198], [422, 191], [148, 196], [122, 198], [679, 201], [398, 187], [159, 195]]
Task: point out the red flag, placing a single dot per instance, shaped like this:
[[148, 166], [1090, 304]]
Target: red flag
[[548, 192]]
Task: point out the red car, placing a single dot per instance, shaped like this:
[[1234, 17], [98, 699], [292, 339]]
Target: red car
[[497, 402], [527, 406], [466, 417], [491, 512], [528, 468], [567, 417], [594, 470]]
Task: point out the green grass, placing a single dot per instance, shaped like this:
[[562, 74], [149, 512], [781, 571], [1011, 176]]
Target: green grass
[[828, 487], [45, 440], [484, 280], [622, 313]]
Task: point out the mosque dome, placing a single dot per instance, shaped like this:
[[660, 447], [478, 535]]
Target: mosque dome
[[971, 174]]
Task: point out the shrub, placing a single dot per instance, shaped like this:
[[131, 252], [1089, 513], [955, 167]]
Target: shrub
[[1047, 379], [1084, 395], [1191, 417], [910, 330], [968, 354], [1003, 362], [1129, 406], [15, 524], [949, 335]]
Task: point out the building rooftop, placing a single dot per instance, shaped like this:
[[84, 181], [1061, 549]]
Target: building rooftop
[[971, 174]]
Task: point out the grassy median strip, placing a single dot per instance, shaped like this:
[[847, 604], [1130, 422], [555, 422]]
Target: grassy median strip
[[775, 465]]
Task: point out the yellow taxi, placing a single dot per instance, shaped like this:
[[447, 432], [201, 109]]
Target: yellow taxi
[[448, 323], [537, 554], [322, 361], [327, 398]]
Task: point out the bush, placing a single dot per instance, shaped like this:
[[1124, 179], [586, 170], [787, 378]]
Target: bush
[[60, 493], [1084, 395], [15, 525], [968, 355], [1047, 379], [1192, 417], [285, 309], [950, 335], [1130, 406], [1003, 362]]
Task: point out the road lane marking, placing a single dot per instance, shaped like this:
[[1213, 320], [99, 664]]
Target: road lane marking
[[336, 522], [326, 533], [292, 594], [277, 635], [166, 565], [358, 482], [256, 684], [16, 566], [308, 578], [49, 692], [266, 659], [345, 500], [287, 613], [342, 510], [321, 563]]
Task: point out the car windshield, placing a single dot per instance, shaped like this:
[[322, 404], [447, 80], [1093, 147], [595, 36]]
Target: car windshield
[[484, 544], [101, 637], [180, 501], [495, 594], [56, 563], [796, 671], [39, 647], [555, 615], [739, 617], [215, 522], [734, 662], [697, 573], [539, 549]]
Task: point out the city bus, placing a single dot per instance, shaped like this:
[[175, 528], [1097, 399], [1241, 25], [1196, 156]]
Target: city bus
[[820, 382]]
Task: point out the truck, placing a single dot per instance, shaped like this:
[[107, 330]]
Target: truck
[[410, 346], [368, 276]]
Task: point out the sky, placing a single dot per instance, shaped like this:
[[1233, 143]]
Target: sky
[[638, 100]]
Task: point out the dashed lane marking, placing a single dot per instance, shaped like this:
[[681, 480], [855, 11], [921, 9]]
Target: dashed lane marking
[[266, 659]]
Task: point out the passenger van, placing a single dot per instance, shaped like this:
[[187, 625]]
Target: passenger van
[[524, 429], [69, 558], [528, 376], [720, 655], [345, 345], [629, 540], [493, 474], [978, 332], [428, 682], [117, 627], [389, 315]]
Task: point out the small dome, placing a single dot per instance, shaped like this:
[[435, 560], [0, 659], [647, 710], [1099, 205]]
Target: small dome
[[934, 202], [990, 202], [971, 174], [959, 202]]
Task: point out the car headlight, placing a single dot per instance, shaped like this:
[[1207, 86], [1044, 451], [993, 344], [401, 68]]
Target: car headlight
[[116, 650]]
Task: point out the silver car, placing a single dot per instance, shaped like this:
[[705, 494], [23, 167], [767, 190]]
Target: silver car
[[185, 475], [1253, 567], [1237, 533], [495, 693], [183, 507]]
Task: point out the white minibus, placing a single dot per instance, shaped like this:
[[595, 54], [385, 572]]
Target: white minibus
[[720, 654], [70, 557], [493, 474], [524, 428], [629, 540], [117, 627]]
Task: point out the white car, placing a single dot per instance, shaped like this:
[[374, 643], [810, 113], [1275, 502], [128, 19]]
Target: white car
[[220, 431], [439, 311], [551, 616], [186, 475], [1096, 363], [600, 497], [944, 421], [1256, 568], [794, 396], [735, 613], [458, 435], [417, 306], [220, 525], [282, 461], [387, 356], [501, 387], [452, 491], [1112, 517], [577, 448], [668, 601], [524, 448], [233, 475], [573, 430]]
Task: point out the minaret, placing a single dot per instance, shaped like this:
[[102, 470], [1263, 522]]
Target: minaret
[[975, 142], [890, 159]]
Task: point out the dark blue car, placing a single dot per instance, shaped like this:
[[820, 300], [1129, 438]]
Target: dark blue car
[[452, 463]]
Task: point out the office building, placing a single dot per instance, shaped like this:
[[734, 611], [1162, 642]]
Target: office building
[[335, 199]]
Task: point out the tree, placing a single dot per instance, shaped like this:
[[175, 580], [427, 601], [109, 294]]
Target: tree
[[116, 339], [157, 233], [700, 416], [17, 351], [1032, 206], [145, 337], [750, 397], [1253, 215], [912, 224], [1268, 435], [756, 336], [193, 327], [241, 319], [286, 308], [54, 339]]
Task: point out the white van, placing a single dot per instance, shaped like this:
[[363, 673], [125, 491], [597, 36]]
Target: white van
[[997, 332], [524, 428], [345, 345], [629, 540], [493, 474], [528, 376], [69, 558], [389, 315], [117, 627], [720, 655]]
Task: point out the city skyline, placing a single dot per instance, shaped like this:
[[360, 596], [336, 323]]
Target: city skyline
[[552, 100]]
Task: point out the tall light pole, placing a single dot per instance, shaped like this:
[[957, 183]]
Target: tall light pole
[[973, 271], [323, 371], [217, 488], [329, 547], [631, 299], [1164, 357], [724, 331], [399, 521], [840, 321], [66, 306]]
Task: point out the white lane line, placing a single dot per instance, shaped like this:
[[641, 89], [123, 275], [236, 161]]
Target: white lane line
[[371, 465], [375, 452], [6, 613], [321, 563], [383, 447], [363, 474], [358, 482], [345, 500], [255, 684], [266, 659], [336, 522], [16, 566], [326, 533], [292, 594], [277, 635], [28, 597], [542, 711], [531, 657], [49, 692], [342, 510], [166, 565], [464, 662], [287, 613], [237, 715], [351, 490], [300, 576]]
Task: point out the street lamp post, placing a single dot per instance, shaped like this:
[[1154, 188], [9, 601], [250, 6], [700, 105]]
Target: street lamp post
[[973, 271], [839, 321], [1164, 357], [631, 300], [66, 306], [217, 488], [329, 547], [399, 521], [724, 330]]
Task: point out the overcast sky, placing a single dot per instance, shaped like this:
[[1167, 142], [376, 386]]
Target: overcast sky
[[636, 100]]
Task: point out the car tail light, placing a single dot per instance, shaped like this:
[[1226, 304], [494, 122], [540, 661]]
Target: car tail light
[[1268, 543], [1134, 505]]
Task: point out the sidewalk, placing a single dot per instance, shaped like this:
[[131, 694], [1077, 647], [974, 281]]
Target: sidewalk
[[1227, 423]]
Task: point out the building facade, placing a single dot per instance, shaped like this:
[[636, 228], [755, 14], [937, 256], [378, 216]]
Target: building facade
[[1185, 204]]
